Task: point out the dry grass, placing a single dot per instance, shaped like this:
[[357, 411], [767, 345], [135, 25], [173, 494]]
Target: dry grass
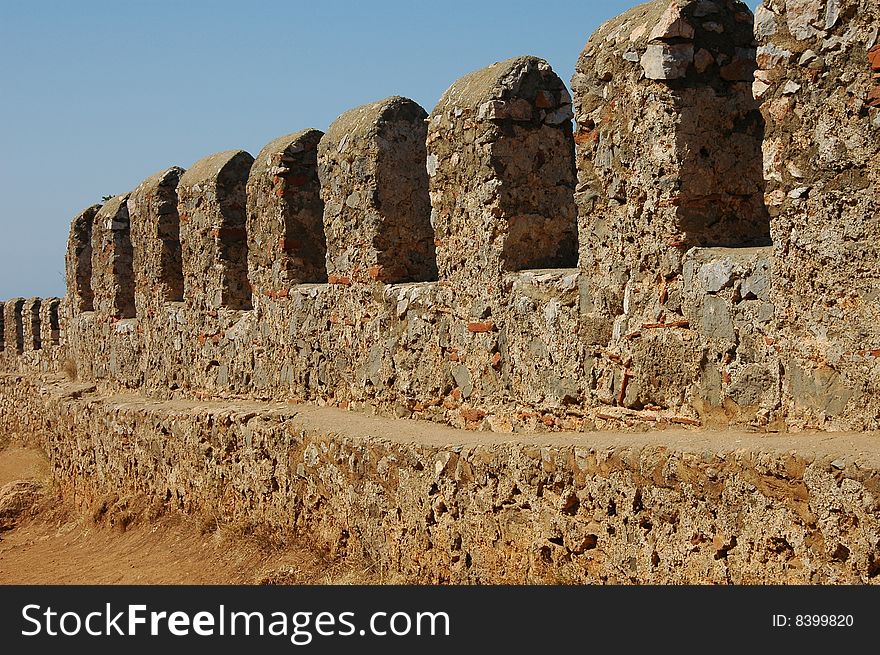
[[137, 538], [278, 557], [291, 559]]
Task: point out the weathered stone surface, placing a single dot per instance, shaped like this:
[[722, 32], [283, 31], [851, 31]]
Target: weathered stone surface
[[13, 325], [874, 58], [802, 17], [647, 329], [286, 243], [30, 320], [212, 205], [500, 159], [678, 313], [78, 261], [50, 322], [374, 185], [741, 67], [16, 498], [155, 228], [819, 389], [112, 253], [765, 22], [658, 324], [669, 157], [669, 61], [726, 298], [30, 334], [154, 342], [769, 55], [873, 99], [821, 156], [673, 24], [429, 504], [664, 155]]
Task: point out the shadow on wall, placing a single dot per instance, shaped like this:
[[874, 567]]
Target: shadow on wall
[[374, 184], [502, 174], [669, 140], [721, 129]]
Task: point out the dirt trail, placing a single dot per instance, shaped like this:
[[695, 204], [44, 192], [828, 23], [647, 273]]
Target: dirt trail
[[17, 463], [56, 544]]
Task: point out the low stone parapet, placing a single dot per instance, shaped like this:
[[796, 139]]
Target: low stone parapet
[[428, 503]]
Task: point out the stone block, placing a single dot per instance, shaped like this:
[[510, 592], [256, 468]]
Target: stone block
[[212, 205], [374, 185], [500, 159], [285, 227]]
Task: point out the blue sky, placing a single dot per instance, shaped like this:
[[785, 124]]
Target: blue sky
[[95, 96]]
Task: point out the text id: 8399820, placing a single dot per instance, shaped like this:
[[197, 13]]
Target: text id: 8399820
[[813, 621]]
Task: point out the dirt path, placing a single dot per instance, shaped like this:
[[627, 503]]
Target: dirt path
[[55, 544], [17, 463]]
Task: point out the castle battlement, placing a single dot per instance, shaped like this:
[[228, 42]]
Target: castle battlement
[[697, 249]]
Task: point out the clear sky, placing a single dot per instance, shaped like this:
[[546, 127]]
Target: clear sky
[[95, 95]]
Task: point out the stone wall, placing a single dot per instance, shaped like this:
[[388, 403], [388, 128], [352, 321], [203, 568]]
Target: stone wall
[[818, 85], [485, 266], [699, 252], [371, 164], [424, 503], [285, 230]]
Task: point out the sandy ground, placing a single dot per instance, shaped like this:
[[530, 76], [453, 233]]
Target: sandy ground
[[56, 544]]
